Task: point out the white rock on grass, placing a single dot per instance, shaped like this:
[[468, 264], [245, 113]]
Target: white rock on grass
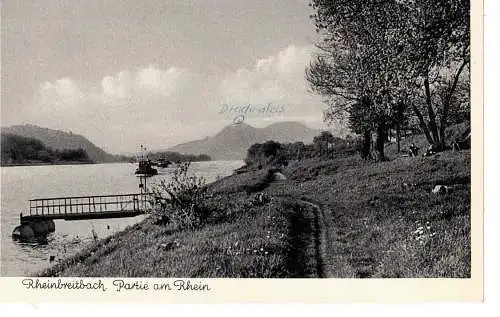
[[279, 177], [440, 189]]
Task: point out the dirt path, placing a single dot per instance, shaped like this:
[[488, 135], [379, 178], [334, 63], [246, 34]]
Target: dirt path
[[320, 231]]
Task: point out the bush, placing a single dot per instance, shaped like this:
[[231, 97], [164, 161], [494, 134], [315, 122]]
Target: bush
[[180, 201]]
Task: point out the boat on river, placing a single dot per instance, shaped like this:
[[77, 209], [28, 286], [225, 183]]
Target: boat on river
[[164, 163], [145, 167]]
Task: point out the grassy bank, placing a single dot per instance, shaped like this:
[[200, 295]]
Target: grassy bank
[[336, 218]]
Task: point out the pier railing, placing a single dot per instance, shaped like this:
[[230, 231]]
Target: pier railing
[[65, 207]]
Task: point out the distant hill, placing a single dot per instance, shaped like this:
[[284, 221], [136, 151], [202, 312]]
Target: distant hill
[[19, 150], [232, 142], [60, 140]]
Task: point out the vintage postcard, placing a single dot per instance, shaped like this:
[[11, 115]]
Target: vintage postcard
[[215, 151]]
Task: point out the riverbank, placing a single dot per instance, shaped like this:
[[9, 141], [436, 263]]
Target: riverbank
[[336, 218]]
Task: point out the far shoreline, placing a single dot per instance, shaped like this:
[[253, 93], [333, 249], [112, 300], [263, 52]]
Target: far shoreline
[[96, 163], [52, 163], [63, 163]]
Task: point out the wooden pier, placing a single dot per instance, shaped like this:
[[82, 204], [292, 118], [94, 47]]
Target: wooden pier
[[43, 211], [39, 220], [87, 207]]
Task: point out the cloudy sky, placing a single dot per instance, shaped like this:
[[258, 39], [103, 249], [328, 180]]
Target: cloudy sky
[[154, 72]]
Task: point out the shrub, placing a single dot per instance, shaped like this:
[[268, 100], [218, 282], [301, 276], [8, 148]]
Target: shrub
[[180, 201]]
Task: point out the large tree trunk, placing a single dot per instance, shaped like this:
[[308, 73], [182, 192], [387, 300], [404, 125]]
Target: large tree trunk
[[422, 124], [430, 111], [446, 105], [398, 137], [365, 149], [381, 137]]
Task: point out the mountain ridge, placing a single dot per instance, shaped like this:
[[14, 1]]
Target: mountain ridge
[[232, 142], [60, 140]]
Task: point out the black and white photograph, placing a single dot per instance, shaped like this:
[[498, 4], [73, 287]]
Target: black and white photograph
[[262, 139]]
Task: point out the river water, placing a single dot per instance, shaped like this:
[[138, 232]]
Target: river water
[[21, 183]]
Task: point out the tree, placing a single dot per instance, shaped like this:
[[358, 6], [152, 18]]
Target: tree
[[399, 120], [356, 61], [460, 104], [361, 123], [296, 150], [435, 38], [323, 143], [264, 153], [395, 53]]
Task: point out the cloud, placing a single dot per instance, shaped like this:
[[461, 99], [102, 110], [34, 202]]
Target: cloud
[[163, 107], [53, 101], [278, 78], [160, 82], [61, 92], [149, 82], [118, 87], [118, 110]]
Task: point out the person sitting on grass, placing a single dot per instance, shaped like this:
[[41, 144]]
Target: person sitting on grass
[[431, 150], [413, 150], [463, 143]]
